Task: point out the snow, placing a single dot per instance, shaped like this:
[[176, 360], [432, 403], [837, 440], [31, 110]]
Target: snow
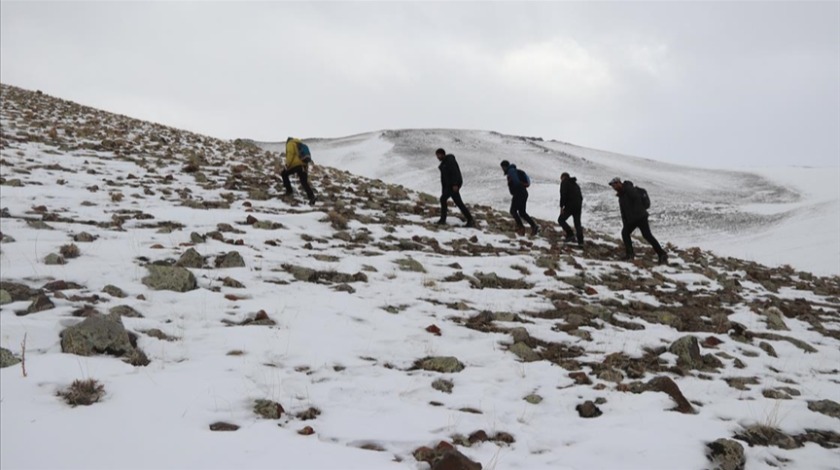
[[344, 353]]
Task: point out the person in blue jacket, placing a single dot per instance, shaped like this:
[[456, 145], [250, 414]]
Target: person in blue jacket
[[518, 189]]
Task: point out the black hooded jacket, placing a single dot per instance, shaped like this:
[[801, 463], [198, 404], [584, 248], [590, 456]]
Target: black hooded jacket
[[450, 173], [571, 198], [630, 203]]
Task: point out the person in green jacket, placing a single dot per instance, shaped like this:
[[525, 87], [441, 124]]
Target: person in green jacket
[[298, 164]]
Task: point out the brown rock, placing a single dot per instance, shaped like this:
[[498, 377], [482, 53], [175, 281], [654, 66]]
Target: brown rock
[[433, 329], [666, 385], [222, 426], [588, 409], [306, 431], [580, 378]]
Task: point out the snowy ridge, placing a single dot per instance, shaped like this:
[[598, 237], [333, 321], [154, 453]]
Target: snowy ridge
[[737, 213], [387, 341]]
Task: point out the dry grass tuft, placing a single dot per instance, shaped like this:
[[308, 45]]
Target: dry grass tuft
[[83, 392], [69, 251]]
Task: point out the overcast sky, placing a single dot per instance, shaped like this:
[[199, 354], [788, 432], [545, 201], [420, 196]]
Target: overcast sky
[[718, 84]]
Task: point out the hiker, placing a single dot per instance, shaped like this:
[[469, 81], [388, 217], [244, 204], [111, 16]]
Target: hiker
[[450, 186], [634, 215], [518, 182], [297, 162], [571, 205]]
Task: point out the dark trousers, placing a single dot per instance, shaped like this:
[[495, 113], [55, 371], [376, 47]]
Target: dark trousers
[[645, 228], [456, 198], [304, 180], [575, 214], [517, 210]]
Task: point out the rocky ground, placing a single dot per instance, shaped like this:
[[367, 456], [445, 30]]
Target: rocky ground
[[113, 229]]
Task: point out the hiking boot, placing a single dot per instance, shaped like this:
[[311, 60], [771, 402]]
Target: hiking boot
[[535, 229], [520, 230], [569, 239], [470, 223], [313, 200], [440, 222], [663, 258], [628, 257]]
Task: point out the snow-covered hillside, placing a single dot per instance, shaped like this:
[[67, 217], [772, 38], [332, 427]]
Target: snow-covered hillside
[[786, 216], [230, 327]]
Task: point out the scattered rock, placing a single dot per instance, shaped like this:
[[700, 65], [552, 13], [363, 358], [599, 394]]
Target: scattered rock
[[18, 291], [688, 352], [588, 409], [114, 291], [268, 409], [580, 378], [230, 259], [533, 399], [443, 385], [222, 426], [84, 237], [5, 297], [726, 454], [125, 311], [741, 383], [197, 238], [445, 364], [668, 386], [54, 259], [40, 304], [524, 352], [191, 259], [232, 283], [445, 457], [7, 358], [410, 264], [781, 393], [774, 319], [101, 335], [768, 348], [308, 414], [826, 407], [156, 333], [174, 278], [760, 435]]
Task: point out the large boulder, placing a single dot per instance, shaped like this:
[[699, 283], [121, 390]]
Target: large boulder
[[101, 334], [174, 278]]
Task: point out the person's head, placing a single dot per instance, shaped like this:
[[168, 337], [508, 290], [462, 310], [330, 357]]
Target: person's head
[[616, 183], [440, 153], [505, 165], [564, 176], [289, 139]]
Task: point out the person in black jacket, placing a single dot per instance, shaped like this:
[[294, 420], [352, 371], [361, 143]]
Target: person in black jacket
[[633, 216], [450, 186], [519, 202], [571, 205]]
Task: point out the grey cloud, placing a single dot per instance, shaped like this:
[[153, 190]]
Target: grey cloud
[[706, 83]]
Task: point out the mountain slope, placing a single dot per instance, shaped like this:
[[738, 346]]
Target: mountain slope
[[379, 334], [722, 210]]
